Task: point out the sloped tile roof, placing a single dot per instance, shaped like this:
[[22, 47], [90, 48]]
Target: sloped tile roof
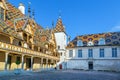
[[111, 38], [59, 26]]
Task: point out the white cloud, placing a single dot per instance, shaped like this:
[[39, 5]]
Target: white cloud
[[116, 28]]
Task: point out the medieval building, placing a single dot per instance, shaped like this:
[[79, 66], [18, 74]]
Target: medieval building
[[61, 41], [23, 43]]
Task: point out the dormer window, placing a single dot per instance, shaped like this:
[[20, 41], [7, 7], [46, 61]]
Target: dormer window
[[79, 43], [90, 43], [1, 13], [101, 41]]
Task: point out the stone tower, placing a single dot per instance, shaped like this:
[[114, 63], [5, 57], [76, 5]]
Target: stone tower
[[61, 41]]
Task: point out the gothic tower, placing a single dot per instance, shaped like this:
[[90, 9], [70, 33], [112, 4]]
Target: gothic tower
[[61, 41]]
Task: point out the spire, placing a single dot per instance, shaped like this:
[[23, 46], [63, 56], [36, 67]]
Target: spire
[[53, 24], [69, 37], [33, 14], [59, 26], [29, 9], [59, 14]]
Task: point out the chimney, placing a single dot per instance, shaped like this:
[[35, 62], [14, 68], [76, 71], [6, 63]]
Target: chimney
[[21, 8]]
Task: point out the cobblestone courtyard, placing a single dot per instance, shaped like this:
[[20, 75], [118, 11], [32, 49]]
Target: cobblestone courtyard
[[63, 75]]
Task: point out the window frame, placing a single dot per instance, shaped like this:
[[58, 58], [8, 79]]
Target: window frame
[[80, 53], [79, 42], [90, 53], [114, 52], [70, 53], [101, 41], [101, 52]]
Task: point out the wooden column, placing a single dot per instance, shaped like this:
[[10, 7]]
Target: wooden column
[[31, 63], [6, 60], [22, 62]]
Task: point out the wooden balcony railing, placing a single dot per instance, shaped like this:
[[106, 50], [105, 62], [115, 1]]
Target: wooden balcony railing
[[13, 48]]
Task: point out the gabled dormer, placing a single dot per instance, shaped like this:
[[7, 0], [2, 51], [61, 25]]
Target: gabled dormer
[[29, 26], [101, 41], [3, 9], [79, 42], [29, 29]]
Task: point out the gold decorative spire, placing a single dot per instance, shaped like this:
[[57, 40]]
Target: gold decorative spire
[[29, 9]]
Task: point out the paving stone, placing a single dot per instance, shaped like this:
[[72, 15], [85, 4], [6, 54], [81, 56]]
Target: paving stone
[[64, 75]]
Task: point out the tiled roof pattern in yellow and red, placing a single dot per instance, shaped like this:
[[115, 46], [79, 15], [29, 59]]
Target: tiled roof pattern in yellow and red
[[111, 38], [59, 26]]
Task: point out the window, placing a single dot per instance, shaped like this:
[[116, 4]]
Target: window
[[114, 52], [90, 43], [79, 43], [101, 52], [58, 47], [1, 13], [80, 53], [90, 53], [61, 53], [70, 53], [101, 41]]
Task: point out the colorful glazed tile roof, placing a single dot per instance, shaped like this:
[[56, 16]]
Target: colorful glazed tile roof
[[111, 38], [15, 19], [59, 26]]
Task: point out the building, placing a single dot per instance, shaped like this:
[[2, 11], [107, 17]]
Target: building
[[61, 42], [23, 43], [94, 52]]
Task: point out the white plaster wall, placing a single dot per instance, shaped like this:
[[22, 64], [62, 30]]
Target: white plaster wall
[[61, 39], [113, 65], [107, 52], [100, 63], [77, 64]]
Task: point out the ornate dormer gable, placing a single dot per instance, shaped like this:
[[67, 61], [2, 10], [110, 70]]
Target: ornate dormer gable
[[90, 43], [79, 42], [29, 27], [3, 9], [3, 4], [101, 41], [59, 26], [52, 39]]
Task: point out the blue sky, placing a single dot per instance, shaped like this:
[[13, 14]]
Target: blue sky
[[79, 16]]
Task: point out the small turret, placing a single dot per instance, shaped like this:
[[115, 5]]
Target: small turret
[[21, 8]]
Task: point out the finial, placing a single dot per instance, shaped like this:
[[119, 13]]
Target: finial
[[33, 14], [60, 14], [69, 37], [47, 28], [53, 24], [29, 9]]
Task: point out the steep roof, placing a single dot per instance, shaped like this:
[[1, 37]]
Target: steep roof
[[16, 22], [111, 38], [59, 26]]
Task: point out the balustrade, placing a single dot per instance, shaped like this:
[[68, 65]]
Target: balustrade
[[18, 49]]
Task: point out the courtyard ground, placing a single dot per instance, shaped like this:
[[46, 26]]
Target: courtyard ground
[[61, 75]]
